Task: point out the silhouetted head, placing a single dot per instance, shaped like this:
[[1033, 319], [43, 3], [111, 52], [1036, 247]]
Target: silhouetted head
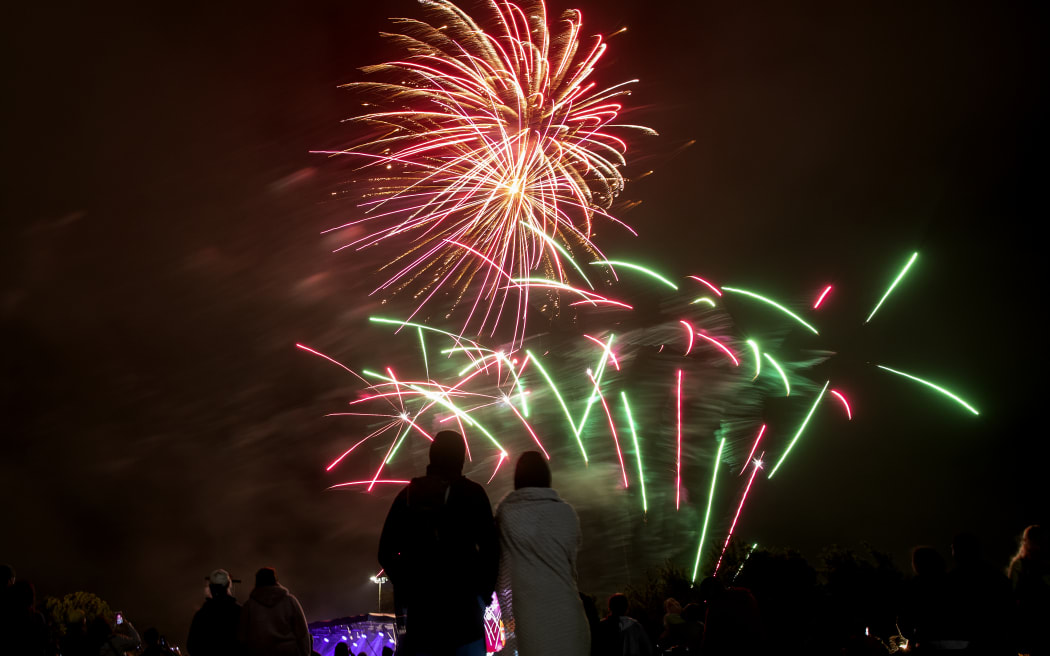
[[618, 604], [711, 589], [151, 636], [693, 613], [387, 651], [342, 649], [265, 576], [220, 583], [447, 452], [672, 606], [1033, 541], [532, 470], [966, 548], [23, 596], [925, 561], [7, 575], [99, 630]]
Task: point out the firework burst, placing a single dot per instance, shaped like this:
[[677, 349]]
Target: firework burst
[[489, 158]]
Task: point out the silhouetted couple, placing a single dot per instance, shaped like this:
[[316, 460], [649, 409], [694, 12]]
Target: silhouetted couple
[[441, 548], [271, 622]]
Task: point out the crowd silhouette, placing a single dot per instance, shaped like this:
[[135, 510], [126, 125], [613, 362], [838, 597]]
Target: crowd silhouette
[[446, 554]]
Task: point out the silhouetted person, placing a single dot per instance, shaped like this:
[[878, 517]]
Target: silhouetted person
[[440, 549], [22, 628], [980, 596], [154, 643], [272, 621], [1030, 579], [342, 649], [926, 615], [7, 579], [673, 634], [693, 618], [539, 538], [590, 610], [213, 631], [731, 625], [114, 639], [620, 635], [76, 641]]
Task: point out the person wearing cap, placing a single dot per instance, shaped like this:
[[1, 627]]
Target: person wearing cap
[[272, 620], [214, 627], [440, 549]]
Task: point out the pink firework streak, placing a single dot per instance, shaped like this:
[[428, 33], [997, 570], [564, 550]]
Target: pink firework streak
[[707, 284], [820, 300], [368, 483], [678, 458], [845, 403], [502, 456], [690, 331], [747, 461], [612, 356], [491, 155], [732, 527], [720, 346], [612, 428]]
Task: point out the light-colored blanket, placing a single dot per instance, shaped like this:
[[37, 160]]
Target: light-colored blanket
[[540, 535]]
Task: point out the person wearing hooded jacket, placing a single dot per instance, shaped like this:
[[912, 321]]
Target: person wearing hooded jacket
[[272, 621], [440, 549]]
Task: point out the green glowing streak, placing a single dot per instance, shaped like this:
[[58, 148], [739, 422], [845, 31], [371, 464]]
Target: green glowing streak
[[758, 357], [397, 444], [542, 235], [710, 502], [423, 350], [749, 552], [703, 299], [437, 398], [637, 267], [561, 401], [890, 290], [800, 429], [783, 376], [774, 304], [398, 322], [929, 384], [465, 349], [637, 449], [599, 370]]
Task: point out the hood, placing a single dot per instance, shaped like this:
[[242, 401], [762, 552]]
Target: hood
[[269, 595]]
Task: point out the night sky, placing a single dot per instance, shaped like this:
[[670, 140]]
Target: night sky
[[162, 256]]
